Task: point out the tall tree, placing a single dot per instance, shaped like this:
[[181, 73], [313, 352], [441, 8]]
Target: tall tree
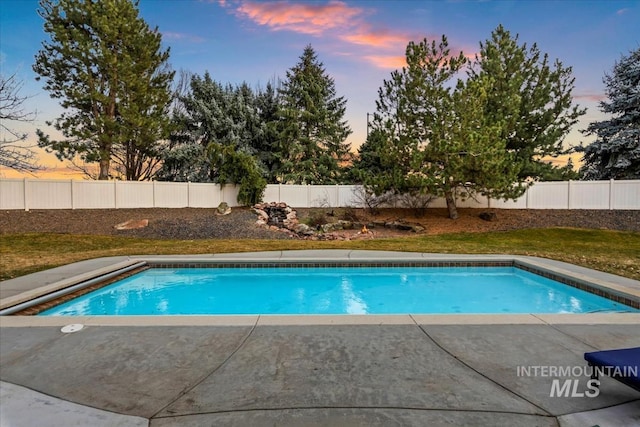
[[435, 136], [266, 143], [615, 154], [215, 129], [13, 153], [110, 72], [312, 126], [529, 98]]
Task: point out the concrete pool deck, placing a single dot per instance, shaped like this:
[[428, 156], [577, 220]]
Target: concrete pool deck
[[308, 370]]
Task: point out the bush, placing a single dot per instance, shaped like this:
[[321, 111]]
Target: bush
[[316, 218]]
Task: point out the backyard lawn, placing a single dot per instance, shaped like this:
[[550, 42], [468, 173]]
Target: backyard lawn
[[614, 252]]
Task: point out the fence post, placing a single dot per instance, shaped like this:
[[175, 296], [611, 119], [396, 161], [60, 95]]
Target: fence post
[[338, 196], [279, 192], [611, 194], [569, 195], [308, 196], [115, 194], [73, 205], [25, 194]]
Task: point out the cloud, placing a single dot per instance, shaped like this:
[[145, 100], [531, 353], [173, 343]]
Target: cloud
[[594, 97], [380, 46], [305, 18], [364, 35], [389, 62], [622, 11]]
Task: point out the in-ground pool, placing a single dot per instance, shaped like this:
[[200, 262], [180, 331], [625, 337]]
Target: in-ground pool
[[335, 290]]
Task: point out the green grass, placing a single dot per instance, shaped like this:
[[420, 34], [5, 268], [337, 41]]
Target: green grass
[[611, 251]]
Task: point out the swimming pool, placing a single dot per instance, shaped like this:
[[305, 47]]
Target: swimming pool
[[335, 290]]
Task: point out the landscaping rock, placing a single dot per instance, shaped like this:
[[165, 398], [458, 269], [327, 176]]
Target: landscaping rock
[[132, 224], [332, 226], [488, 216], [304, 229], [223, 209]]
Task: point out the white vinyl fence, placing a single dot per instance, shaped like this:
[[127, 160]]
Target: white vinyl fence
[[71, 194]]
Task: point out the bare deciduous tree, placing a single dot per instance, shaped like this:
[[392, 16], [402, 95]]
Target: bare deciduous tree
[[14, 153]]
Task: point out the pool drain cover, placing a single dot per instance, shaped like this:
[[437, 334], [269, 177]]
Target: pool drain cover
[[75, 327]]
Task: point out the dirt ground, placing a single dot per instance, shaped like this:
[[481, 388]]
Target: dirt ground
[[191, 223]]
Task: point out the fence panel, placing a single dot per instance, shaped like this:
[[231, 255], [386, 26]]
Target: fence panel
[[479, 201], [625, 194], [272, 193], [295, 195], [93, 194], [65, 194], [171, 194], [520, 203], [549, 195], [588, 195], [349, 196], [48, 194], [12, 194], [134, 194], [229, 194], [323, 196], [203, 195]]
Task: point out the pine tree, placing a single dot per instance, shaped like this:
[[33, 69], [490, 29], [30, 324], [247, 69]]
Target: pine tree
[[433, 138], [109, 70], [312, 129], [266, 143], [615, 154], [215, 129], [529, 98]]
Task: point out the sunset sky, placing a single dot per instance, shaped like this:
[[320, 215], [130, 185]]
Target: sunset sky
[[359, 42]]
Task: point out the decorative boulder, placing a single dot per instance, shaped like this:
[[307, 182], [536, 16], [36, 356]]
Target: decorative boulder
[[132, 224], [417, 228], [303, 229], [223, 209], [488, 216]]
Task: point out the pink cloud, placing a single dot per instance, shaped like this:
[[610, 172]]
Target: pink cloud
[[594, 97], [306, 18], [382, 38], [387, 61], [382, 47]]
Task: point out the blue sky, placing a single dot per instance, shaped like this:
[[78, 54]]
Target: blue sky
[[359, 42]]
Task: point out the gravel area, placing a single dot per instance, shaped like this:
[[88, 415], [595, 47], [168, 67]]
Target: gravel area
[[191, 223]]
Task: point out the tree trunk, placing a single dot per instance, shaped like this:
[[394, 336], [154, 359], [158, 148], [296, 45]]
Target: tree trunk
[[104, 169], [451, 204]]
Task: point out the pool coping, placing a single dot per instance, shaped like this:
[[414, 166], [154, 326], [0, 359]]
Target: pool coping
[[611, 286]]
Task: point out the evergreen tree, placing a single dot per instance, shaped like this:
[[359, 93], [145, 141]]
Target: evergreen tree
[[615, 154], [434, 137], [215, 129], [107, 67], [370, 160], [529, 98], [266, 144], [312, 130]]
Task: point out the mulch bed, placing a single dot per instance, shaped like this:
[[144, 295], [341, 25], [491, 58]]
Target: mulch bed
[[192, 223]]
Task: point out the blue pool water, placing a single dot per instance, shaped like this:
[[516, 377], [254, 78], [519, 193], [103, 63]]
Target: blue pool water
[[348, 290]]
